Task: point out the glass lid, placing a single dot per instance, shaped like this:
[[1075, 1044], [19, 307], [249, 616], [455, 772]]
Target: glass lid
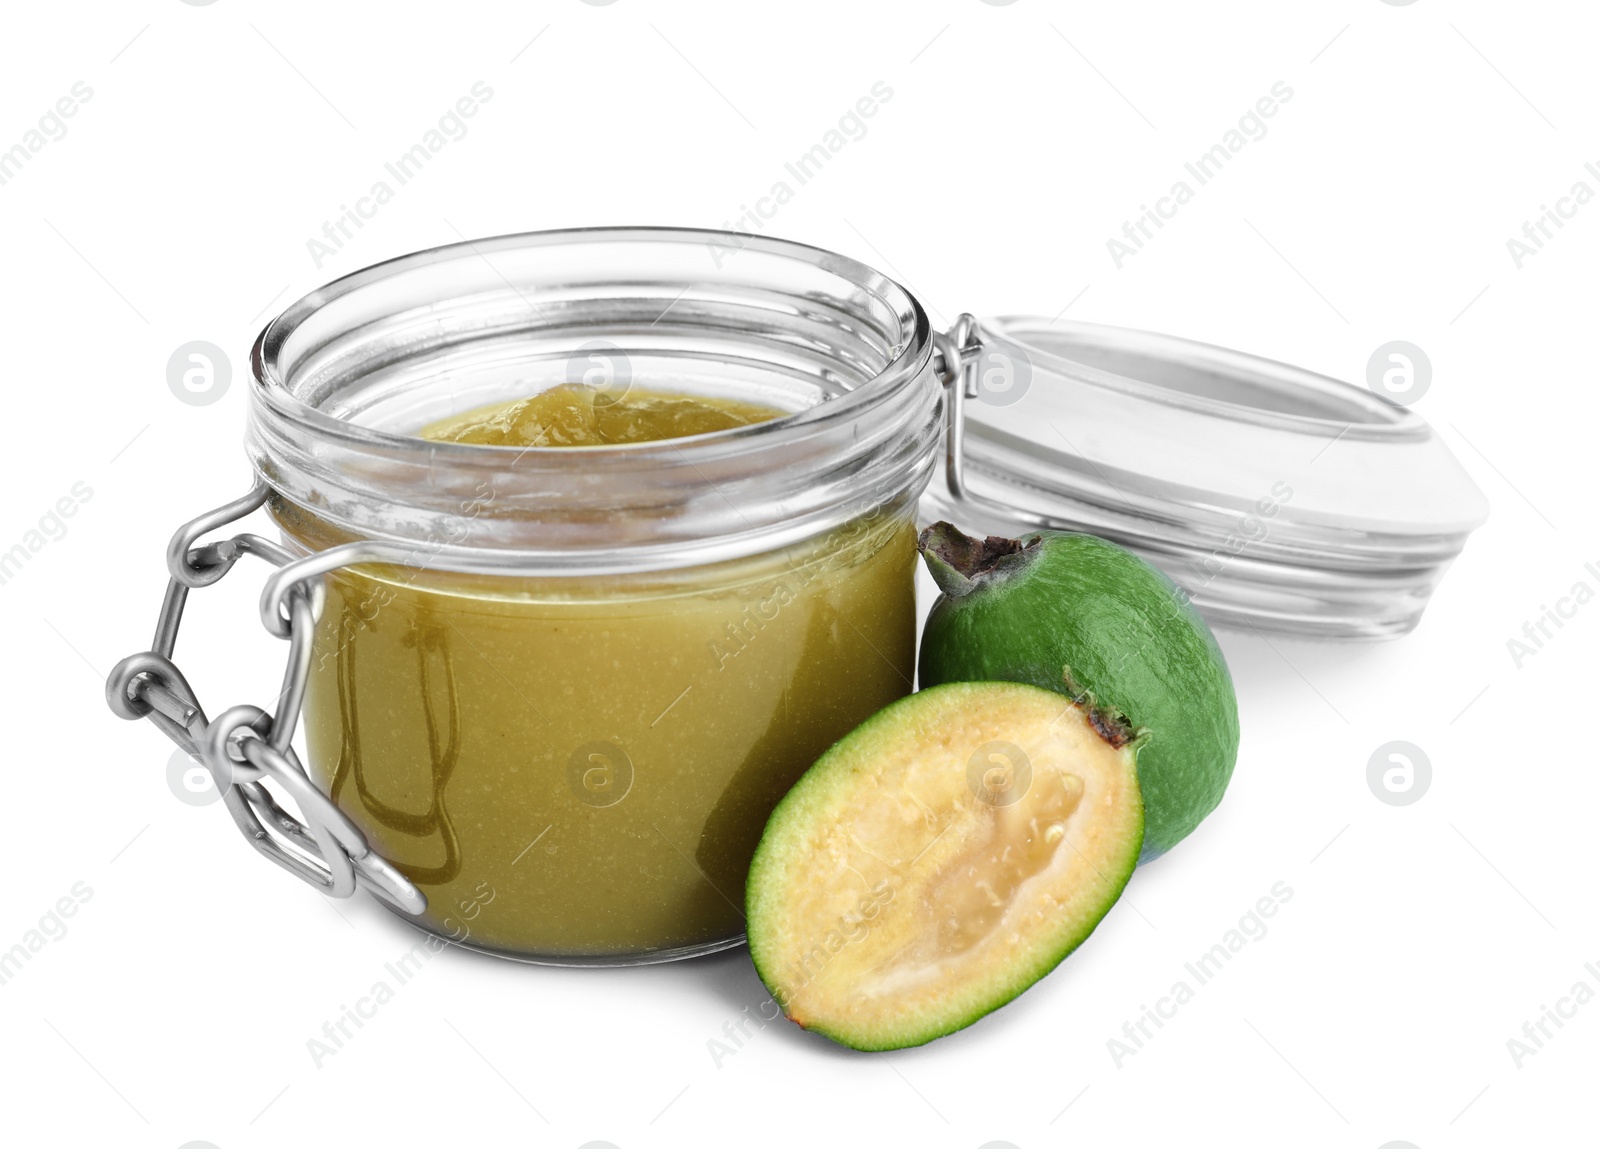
[[1277, 498]]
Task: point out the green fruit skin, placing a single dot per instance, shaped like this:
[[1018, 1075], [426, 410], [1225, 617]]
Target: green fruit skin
[[1128, 637], [827, 784]]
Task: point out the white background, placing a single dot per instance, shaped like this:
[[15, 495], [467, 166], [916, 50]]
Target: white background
[[1418, 940]]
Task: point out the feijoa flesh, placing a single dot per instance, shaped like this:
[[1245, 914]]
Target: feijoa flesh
[[940, 859], [1080, 615]]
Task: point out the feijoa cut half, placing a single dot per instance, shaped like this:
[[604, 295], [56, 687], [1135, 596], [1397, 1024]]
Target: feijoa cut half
[[941, 858]]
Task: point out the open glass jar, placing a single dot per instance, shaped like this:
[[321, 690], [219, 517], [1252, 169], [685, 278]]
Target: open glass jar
[[561, 688], [551, 694]]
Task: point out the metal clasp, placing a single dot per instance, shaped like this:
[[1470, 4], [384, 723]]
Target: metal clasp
[[246, 746], [960, 350]]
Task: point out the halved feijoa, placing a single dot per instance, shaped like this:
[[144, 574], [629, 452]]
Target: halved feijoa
[[940, 859]]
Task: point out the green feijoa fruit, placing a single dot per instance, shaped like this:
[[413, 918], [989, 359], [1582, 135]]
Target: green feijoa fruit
[[940, 859], [1079, 615]]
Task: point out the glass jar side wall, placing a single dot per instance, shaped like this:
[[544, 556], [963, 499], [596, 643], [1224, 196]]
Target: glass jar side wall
[[580, 769]]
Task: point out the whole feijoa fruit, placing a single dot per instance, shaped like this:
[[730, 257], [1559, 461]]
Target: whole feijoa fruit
[[1082, 616], [940, 859]]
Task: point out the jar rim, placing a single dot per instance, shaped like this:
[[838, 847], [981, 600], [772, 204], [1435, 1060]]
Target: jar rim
[[271, 386], [342, 377]]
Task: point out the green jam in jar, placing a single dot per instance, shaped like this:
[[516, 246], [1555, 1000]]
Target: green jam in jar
[[576, 416], [580, 768]]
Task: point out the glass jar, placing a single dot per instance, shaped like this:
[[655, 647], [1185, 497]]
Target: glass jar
[[568, 716]]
